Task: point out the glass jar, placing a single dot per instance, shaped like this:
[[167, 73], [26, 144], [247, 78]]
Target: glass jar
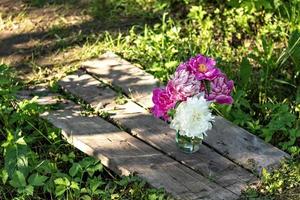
[[188, 144]]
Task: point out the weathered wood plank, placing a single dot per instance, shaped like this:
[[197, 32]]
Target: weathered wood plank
[[135, 82], [243, 147], [228, 139], [158, 134], [125, 154]]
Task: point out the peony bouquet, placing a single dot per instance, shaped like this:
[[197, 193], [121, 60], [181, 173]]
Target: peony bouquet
[[185, 101]]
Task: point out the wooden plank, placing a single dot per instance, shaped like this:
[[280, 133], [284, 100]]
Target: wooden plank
[[228, 139], [135, 82], [243, 147], [125, 154], [157, 133]]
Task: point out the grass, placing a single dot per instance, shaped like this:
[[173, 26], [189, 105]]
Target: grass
[[281, 184], [257, 43]]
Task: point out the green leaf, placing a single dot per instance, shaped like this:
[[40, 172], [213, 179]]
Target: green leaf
[[265, 175], [46, 167], [152, 197], [49, 186], [294, 48], [37, 180], [171, 113], [245, 73], [18, 180], [115, 196], [86, 197], [74, 185], [268, 134], [74, 169], [64, 158], [60, 190], [21, 141], [94, 184], [16, 157], [71, 156], [4, 176], [28, 190], [62, 181], [86, 162], [171, 64], [92, 169]]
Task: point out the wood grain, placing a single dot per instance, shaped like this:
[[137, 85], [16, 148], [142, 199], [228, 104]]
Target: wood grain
[[157, 133], [135, 82], [125, 154], [226, 138]]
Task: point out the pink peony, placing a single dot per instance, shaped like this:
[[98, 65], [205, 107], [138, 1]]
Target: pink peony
[[162, 103], [220, 90], [183, 85], [202, 67]]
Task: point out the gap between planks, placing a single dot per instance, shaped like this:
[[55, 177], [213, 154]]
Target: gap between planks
[[156, 133], [125, 154], [231, 141]]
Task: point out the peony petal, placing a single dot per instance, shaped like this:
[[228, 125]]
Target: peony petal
[[223, 99], [156, 93], [210, 62], [230, 84]]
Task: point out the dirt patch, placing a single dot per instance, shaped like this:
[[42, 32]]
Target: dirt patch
[[29, 34], [42, 42]]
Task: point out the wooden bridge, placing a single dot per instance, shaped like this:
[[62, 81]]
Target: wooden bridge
[[128, 139]]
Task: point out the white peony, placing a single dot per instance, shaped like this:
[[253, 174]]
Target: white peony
[[193, 117]]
